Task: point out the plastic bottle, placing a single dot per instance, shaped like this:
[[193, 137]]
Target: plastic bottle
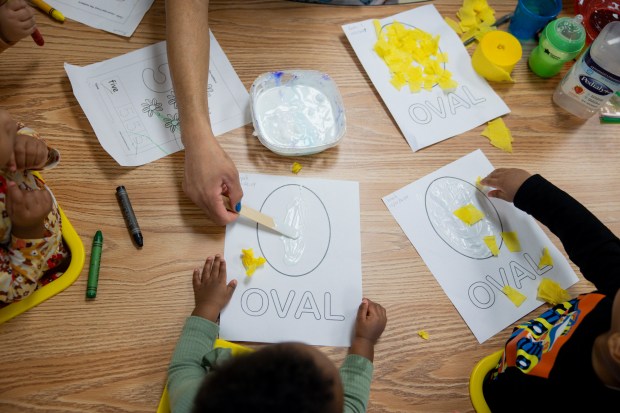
[[595, 76], [560, 41]]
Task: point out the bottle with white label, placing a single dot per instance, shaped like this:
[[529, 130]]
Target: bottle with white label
[[595, 76]]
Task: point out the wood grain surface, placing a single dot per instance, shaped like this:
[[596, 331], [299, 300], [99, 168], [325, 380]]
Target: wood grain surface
[[111, 354]]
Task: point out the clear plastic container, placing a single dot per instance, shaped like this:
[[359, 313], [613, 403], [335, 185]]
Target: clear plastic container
[[297, 112], [595, 76]]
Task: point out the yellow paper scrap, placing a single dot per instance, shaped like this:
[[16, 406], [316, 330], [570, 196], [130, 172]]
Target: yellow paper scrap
[[513, 295], [551, 292], [476, 18], [413, 57], [469, 214], [489, 240], [423, 334], [249, 262], [296, 167], [499, 135], [512, 241], [545, 259]]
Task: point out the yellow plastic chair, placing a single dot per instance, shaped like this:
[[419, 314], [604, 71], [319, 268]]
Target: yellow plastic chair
[[74, 243], [236, 349], [477, 378]]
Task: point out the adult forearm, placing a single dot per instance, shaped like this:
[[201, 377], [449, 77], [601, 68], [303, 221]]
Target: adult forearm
[[188, 45]]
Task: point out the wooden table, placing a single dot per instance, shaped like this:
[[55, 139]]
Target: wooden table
[[111, 354]]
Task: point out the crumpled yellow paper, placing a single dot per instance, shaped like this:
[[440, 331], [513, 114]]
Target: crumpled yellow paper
[[249, 262], [545, 259], [413, 57], [469, 214], [491, 243], [296, 167], [551, 292], [513, 295], [423, 334], [476, 18], [499, 135], [512, 241]]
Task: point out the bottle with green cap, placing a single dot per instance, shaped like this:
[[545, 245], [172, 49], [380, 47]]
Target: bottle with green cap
[[560, 41]]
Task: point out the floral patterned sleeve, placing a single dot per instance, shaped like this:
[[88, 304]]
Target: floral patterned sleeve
[[24, 261]]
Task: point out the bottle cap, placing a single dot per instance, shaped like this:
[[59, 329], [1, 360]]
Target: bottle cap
[[567, 33]]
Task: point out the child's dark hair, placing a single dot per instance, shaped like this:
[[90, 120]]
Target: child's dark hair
[[275, 379]]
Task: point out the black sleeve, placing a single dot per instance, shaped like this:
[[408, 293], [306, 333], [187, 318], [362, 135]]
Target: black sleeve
[[587, 241]]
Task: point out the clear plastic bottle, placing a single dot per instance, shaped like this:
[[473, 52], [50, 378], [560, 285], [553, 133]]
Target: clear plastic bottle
[[595, 76]]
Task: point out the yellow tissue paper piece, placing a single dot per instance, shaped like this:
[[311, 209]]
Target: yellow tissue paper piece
[[499, 135], [551, 292], [423, 334], [469, 214], [454, 25], [413, 57], [476, 18], [249, 262], [296, 167], [512, 241], [492, 244], [515, 296], [545, 259]]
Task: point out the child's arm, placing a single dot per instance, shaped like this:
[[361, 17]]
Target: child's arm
[[31, 152], [587, 241], [211, 295], [16, 22], [29, 248], [356, 371]]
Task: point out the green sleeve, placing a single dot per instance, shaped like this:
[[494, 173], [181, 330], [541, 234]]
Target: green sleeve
[[356, 375], [186, 371]]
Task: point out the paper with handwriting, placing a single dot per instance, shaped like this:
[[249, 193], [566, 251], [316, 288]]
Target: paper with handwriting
[[456, 254], [428, 117], [131, 105], [309, 288]]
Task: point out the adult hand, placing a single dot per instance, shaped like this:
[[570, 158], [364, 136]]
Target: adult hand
[[209, 175], [28, 153], [506, 182], [211, 293], [16, 20], [27, 211]]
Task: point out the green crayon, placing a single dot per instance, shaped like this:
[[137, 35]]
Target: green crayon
[[93, 270]]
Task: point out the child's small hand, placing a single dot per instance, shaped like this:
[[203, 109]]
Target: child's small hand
[[506, 182], [211, 293], [28, 153], [369, 325], [16, 20], [27, 210]]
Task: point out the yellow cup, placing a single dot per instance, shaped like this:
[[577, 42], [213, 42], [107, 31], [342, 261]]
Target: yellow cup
[[496, 56]]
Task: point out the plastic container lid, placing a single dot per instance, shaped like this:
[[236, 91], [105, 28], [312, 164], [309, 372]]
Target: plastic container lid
[[297, 112], [567, 33]]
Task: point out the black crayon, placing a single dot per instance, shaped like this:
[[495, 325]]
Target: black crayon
[[128, 214]]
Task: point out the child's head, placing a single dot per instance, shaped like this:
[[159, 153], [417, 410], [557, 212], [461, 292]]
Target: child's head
[[606, 353], [287, 377], [8, 130]]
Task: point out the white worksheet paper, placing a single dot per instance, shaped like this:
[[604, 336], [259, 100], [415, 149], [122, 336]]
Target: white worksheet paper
[[456, 254], [115, 16], [310, 288], [428, 117], [131, 105]]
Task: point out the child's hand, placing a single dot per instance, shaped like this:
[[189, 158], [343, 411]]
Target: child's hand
[[506, 182], [16, 20], [28, 153], [27, 210], [211, 293], [369, 325]]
